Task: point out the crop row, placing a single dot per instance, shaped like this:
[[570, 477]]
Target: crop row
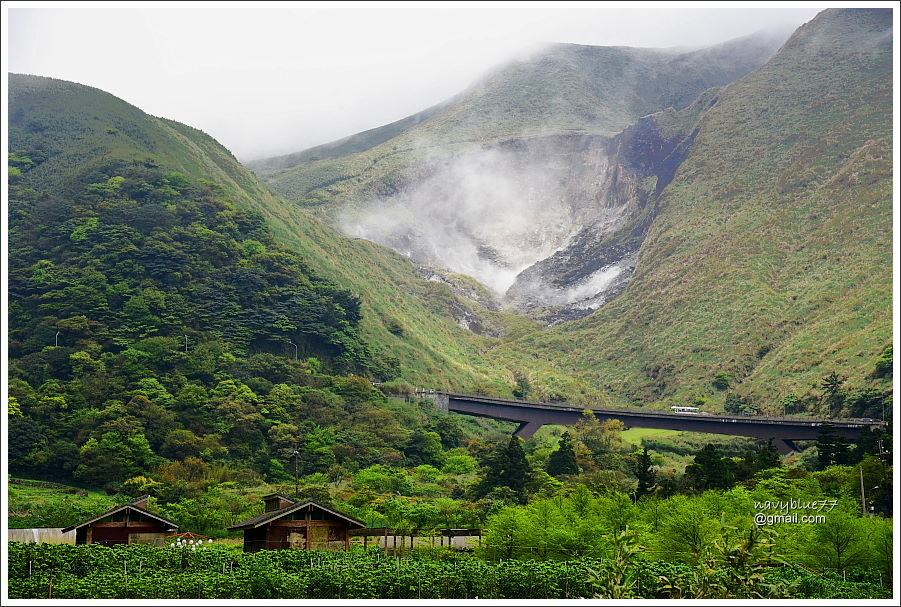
[[135, 572]]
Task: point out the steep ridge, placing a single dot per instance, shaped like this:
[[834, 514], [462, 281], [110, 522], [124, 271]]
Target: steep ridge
[[76, 130], [770, 256], [594, 265], [521, 168], [563, 88]]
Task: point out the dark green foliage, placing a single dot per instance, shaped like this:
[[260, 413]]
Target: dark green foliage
[[738, 405], [450, 431], [872, 442], [867, 402], [150, 318], [644, 471], [721, 381], [884, 364], [316, 493], [831, 448], [142, 572], [767, 457], [563, 460], [764, 457], [129, 257], [505, 467], [523, 388], [26, 442], [425, 448], [832, 385], [710, 470]]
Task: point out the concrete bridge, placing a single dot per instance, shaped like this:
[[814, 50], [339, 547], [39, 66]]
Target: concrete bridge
[[533, 415]]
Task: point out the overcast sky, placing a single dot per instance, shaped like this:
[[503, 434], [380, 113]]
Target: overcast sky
[[273, 78]]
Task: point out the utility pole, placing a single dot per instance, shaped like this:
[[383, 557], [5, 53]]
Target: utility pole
[[863, 498], [56, 340], [884, 483], [186, 343], [296, 489]]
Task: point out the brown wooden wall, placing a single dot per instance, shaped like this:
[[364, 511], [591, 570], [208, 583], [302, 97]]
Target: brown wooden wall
[[124, 528], [297, 535]]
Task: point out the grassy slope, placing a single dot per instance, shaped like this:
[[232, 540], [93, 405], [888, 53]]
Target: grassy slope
[[564, 88], [83, 128], [771, 256]]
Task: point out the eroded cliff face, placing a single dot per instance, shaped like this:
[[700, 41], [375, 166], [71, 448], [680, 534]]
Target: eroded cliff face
[[597, 261], [550, 225]]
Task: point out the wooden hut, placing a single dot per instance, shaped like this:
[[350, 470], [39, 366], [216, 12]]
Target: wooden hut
[[290, 525], [126, 524]]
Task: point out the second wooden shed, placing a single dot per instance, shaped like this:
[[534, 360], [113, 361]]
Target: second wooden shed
[[290, 525]]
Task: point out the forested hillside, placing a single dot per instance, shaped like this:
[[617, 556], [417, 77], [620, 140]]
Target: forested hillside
[[152, 319], [65, 131], [155, 318]]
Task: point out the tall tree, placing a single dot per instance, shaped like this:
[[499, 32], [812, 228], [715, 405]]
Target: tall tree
[[710, 470], [767, 456], [643, 469], [831, 448], [505, 466], [833, 384], [563, 460]]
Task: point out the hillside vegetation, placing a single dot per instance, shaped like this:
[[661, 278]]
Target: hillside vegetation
[[178, 330], [764, 261], [770, 258], [159, 323], [66, 131]]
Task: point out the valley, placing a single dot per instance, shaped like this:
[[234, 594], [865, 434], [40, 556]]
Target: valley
[[705, 232]]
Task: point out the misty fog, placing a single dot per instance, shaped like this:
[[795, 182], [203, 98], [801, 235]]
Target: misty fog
[[492, 212]]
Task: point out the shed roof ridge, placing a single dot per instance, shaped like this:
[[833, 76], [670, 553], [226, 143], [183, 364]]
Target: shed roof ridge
[[266, 517], [116, 509]]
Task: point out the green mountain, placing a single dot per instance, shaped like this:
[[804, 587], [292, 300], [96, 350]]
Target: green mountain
[[524, 181], [64, 137], [565, 88], [769, 261], [170, 315], [743, 233], [739, 232]]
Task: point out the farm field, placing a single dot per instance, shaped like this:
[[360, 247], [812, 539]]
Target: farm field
[[128, 572]]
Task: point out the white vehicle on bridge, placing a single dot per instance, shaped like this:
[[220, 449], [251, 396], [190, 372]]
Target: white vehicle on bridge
[[685, 410]]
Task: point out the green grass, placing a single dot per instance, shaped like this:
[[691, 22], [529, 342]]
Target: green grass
[[637, 435], [773, 238], [54, 506]]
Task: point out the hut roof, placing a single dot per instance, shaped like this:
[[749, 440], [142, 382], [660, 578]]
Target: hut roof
[[268, 517], [129, 506]]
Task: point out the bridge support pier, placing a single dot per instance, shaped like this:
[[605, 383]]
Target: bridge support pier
[[441, 400], [785, 446], [527, 429]]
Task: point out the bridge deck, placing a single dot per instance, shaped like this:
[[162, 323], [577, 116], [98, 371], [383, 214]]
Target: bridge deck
[[532, 415]]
